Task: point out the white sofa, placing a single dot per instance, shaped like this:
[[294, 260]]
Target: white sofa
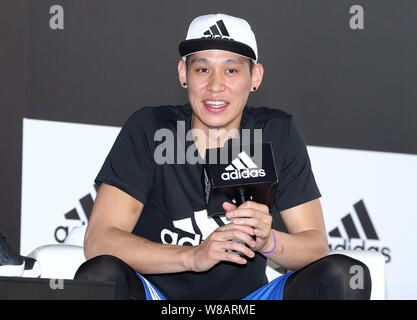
[[61, 261]]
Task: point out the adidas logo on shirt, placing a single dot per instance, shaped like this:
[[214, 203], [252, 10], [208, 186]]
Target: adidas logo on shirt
[[217, 30], [242, 167], [199, 227]]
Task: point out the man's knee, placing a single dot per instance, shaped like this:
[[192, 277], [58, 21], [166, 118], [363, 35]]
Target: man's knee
[[101, 268], [333, 277], [109, 268], [350, 278]]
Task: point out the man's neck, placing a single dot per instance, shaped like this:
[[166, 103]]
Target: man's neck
[[208, 138]]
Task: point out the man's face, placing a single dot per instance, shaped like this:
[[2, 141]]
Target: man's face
[[218, 84]]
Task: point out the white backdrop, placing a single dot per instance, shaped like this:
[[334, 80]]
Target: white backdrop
[[61, 160], [387, 185], [60, 163]]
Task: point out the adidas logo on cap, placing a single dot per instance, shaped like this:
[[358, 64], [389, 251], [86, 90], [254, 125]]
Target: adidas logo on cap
[[220, 32], [217, 30], [242, 167]]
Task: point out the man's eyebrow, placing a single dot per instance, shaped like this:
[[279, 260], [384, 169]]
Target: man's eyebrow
[[199, 60], [234, 61], [206, 61]]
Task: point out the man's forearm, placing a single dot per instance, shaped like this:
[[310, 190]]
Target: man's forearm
[[295, 251], [142, 255]]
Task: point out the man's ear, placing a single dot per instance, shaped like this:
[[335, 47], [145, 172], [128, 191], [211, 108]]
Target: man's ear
[[257, 75], [182, 72]]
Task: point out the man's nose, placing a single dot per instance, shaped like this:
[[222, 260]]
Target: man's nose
[[216, 82]]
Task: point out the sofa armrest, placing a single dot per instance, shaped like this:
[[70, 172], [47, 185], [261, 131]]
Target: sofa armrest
[[58, 261], [273, 270]]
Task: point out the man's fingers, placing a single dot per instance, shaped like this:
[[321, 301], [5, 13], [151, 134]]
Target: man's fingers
[[237, 247], [250, 217], [246, 213], [230, 250], [254, 205], [243, 228], [231, 257], [235, 233], [228, 206]]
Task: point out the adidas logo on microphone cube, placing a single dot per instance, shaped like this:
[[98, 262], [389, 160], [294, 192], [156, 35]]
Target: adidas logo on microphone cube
[[242, 167], [237, 174], [221, 181]]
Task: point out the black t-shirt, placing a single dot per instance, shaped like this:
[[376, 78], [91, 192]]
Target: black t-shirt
[[174, 208]]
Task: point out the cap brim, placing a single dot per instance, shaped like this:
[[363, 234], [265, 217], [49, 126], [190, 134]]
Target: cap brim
[[188, 47]]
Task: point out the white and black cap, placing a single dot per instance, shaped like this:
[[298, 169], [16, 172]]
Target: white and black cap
[[221, 32]]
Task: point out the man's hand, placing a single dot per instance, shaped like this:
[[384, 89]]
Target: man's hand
[[256, 216], [218, 245], [248, 221]]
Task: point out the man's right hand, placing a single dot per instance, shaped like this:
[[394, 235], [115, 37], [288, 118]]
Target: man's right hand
[[218, 246]]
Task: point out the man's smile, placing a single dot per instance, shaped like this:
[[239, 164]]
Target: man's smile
[[216, 105]]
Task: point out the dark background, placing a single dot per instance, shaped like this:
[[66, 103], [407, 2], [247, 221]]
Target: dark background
[[347, 88]]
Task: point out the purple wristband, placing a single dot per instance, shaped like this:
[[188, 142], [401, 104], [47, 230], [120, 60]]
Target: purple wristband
[[275, 245]]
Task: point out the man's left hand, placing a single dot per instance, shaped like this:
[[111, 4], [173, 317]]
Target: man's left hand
[[255, 215]]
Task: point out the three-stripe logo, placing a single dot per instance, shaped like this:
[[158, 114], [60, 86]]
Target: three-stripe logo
[[359, 235], [241, 162], [86, 202], [349, 225], [199, 226], [242, 167], [217, 30]]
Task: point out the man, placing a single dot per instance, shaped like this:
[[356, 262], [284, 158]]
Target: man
[[149, 231]]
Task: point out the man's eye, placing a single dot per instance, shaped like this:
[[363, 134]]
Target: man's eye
[[231, 71], [202, 70]]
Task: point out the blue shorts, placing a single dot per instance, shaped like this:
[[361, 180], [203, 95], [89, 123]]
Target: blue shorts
[[271, 291]]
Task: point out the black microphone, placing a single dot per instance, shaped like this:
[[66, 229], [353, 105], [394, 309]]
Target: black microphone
[[239, 178], [231, 175]]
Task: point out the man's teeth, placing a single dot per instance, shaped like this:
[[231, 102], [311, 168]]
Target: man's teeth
[[216, 104]]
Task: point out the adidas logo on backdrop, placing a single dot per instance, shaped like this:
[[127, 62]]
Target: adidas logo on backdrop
[[242, 167], [354, 240], [73, 217]]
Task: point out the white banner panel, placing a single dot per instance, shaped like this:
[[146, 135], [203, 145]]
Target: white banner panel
[[60, 162], [369, 198], [369, 203]]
